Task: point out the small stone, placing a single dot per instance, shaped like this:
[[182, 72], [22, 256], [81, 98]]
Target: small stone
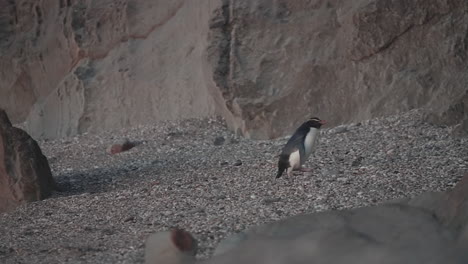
[[219, 141], [321, 207], [155, 162], [130, 218], [88, 229], [271, 200], [238, 163], [357, 161], [196, 211], [108, 231], [121, 147], [340, 129], [221, 197], [167, 213], [319, 197]]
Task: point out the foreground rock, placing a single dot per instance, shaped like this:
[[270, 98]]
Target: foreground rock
[[25, 174], [455, 115], [427, 229]]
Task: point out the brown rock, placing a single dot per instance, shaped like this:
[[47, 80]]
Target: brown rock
[[175, 246], [25, 174], [120, 147]]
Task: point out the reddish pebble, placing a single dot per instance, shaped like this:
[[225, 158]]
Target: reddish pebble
[[117, 148]]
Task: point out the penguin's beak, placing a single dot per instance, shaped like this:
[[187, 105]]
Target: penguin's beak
[[323, 122]]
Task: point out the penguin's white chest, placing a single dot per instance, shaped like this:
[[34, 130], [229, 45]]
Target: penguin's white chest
[[295, 160], [311, 141]]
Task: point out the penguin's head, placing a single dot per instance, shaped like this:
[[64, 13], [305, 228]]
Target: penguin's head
[[316, 122]]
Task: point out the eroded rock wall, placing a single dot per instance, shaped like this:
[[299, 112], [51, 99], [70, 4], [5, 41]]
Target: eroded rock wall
[[279, 62], [76, 66], [69, 66]]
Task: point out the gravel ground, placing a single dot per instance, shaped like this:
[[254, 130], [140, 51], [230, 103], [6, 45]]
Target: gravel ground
[[184, 174]]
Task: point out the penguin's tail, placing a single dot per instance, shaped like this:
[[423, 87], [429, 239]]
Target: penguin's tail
[[283, 164]]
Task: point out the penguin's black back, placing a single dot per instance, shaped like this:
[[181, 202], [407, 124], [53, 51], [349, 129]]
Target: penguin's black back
[[296, 142]]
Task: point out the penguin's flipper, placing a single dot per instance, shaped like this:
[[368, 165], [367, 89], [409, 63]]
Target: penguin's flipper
[[301, 153], [296, 142]]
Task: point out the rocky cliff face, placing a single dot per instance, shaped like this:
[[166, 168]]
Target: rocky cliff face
[[279, 62], [73, 66]]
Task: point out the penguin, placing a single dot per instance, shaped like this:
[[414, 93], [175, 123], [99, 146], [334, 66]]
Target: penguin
[[299, 147]]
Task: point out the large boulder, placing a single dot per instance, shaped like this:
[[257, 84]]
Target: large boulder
[[25, 174], [450, 208], [431, 228]]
